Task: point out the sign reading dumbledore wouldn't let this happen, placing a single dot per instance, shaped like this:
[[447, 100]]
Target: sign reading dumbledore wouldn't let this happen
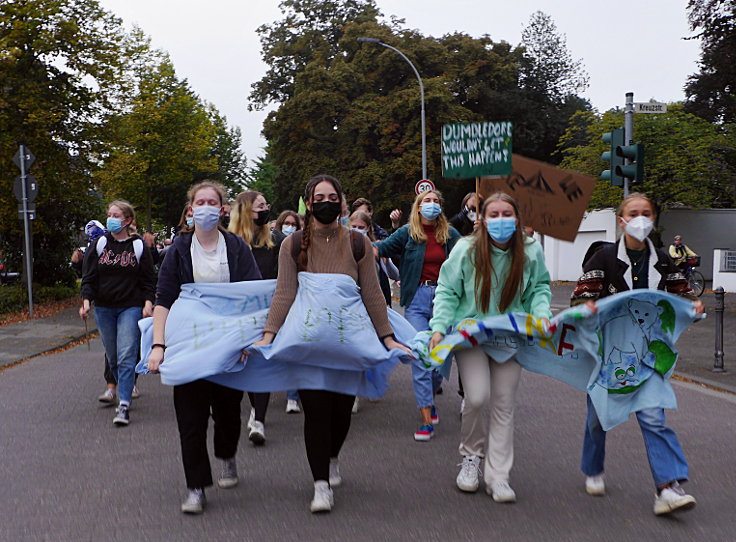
[[476, 149], [551, 200]]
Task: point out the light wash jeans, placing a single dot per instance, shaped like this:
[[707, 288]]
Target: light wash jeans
[[121, 337], [666, 459], [418, 314]]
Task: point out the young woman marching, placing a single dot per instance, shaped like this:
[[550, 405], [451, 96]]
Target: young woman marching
[[326, 247], [118, 277], [423, 244], [632, 262], [495, 271], [207, 253], [249, 219]]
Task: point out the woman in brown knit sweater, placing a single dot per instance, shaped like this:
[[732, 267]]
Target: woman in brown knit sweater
[[326, 247]]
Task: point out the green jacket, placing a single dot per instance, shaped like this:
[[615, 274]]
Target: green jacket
[[401, 244], [455, 297]]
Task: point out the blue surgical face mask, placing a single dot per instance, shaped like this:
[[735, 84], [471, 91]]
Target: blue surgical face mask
[[430, 211], [288, 230], [207, 217], [114, 225], [344, 220], [364, 232], [190, 221], [501, 229]]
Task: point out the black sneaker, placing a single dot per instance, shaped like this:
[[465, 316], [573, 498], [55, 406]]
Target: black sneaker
[[121, 418]]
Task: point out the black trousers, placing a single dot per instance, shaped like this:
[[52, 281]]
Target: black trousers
[[326, 424], [259, 402], [193, 403]]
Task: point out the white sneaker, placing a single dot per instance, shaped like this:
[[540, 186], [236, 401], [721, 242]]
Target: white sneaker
[[595, 485], [356, 406], [251, 418], [468, 478], [195, 502], [671, 499], [257, 433], [136, 393], [107, 397], [462, 406], [323, 500], [501, 492], [335, 478], [292, 406]]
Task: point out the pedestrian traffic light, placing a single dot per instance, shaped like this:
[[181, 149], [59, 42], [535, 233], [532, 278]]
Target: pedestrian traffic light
[[615, 138], [634, 170]]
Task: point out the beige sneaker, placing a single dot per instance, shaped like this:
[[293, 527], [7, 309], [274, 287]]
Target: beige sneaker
[[595, 485]]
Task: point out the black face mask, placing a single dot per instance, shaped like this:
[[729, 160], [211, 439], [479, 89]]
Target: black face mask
[[326, 211], [262, 217], [225, 221]]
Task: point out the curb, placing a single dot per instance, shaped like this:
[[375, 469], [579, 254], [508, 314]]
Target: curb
[[11, 363]]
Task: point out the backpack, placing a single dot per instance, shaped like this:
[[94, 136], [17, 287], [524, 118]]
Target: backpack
[[356, 243], [137, 247]]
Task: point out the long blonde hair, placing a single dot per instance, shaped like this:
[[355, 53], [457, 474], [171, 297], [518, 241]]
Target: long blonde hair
[[484, 273], [242, 224], [128, 212], [441, 227]]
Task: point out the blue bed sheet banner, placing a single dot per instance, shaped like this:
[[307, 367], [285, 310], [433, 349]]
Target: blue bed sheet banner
[[326, 342], [622, 356]]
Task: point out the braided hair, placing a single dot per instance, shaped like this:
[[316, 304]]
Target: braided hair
[[303, 259]]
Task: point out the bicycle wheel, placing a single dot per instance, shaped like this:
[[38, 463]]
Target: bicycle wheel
[[697, 282]]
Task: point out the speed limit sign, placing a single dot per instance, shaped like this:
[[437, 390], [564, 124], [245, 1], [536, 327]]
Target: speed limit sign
[[425, 185]]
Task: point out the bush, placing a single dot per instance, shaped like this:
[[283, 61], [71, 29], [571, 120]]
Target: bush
[[15, 297]]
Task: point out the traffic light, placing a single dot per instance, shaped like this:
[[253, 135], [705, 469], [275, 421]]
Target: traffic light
[[634, 170], [615, 138]]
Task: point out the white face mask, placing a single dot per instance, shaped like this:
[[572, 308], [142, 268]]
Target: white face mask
[[638, 227], [287, 229]]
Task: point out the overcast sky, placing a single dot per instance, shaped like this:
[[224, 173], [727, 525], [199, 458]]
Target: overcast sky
[[214, 43]]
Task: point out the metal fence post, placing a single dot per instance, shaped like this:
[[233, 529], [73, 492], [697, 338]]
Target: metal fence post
[[720, 303]]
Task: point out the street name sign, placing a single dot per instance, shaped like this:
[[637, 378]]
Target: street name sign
[[650, 107]]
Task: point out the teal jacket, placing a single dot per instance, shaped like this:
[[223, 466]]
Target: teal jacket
[[455, 297], [401, 244]]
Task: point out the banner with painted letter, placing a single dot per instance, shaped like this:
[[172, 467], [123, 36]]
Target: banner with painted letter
[[622, 356], [327, 341]]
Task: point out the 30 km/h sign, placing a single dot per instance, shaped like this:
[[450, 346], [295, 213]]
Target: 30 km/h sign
[[425, 185]]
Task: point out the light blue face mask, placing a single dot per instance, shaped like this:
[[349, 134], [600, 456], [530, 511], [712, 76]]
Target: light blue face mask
[[190, 221], [501, 229], [114, 225], [430, 211], [288, 230], [364, 232], [206, 217], [344, 220]]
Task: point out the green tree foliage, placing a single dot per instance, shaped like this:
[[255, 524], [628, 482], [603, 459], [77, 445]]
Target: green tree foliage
[[711, 93], [60, 67], [263, 175], [688, 160], [353, 109]]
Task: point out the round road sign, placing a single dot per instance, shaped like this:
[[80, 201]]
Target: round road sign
[[425, 185]]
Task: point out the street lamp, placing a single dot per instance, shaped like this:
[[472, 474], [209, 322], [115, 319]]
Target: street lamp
[[421, 91]]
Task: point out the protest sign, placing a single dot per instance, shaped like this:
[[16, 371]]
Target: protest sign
[[476, 149]]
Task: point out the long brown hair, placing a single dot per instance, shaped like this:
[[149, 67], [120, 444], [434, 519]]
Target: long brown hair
[[242, 223], [441, 226], [128, 212], [366, 218], [484, 263], [214, 185], [303, 259]]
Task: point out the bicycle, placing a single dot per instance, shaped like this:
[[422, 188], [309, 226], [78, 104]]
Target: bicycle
[[695, 279]]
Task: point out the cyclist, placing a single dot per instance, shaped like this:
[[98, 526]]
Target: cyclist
[[680, 254]]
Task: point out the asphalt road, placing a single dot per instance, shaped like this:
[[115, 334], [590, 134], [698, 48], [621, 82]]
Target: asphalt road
[[69, 475]]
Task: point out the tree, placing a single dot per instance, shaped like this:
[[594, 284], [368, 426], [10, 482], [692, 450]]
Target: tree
[[688, 160], [711, 93], [261, 178], [60, 67]]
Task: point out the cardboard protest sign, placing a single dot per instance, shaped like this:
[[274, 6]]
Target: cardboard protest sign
[[476, 149], [552, 200]]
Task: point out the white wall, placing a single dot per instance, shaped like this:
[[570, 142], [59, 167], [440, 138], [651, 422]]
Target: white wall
[[565, 259], [726, 279]]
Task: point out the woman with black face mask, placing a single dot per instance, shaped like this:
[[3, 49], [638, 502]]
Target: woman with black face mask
[[324, 246], [249, 219]]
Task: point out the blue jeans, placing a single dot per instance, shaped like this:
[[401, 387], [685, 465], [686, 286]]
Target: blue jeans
[[666, 459], [121, 337], [418, 314], [292, 395]]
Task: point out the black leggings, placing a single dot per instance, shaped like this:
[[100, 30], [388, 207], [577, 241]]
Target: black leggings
[[193, 403], [326, 425], [259, 402]]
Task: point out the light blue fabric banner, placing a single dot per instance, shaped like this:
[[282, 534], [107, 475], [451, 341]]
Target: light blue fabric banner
[[327, 341], [622, 356]]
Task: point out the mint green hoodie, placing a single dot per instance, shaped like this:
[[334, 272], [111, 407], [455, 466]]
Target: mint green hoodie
[[455, 296]]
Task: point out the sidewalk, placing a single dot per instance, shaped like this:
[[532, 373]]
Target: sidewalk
[[29, 339], [41, 335]]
